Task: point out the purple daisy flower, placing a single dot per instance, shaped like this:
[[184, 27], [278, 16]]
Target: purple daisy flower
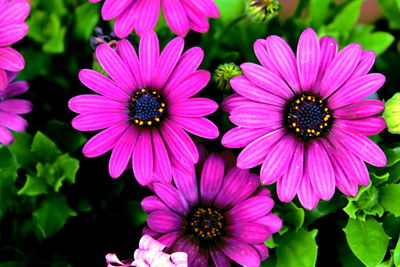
[[142, 15], [145, 107], [221, 217], [12, 29], [305, 119], [11, 108]]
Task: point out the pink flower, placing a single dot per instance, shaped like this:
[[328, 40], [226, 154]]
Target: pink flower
[[150, 253], [12, 29], [10, 109], [145, 107], [142, 15], [304, 119], [220, 216]]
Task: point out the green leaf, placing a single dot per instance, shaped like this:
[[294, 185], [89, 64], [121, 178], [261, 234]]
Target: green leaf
[[367, 240], [65, 136], [389, 198], [33, 186], [8, 174], [292, 215], [44, 149], [230, 12], [21, 149], [391, 10], [86, 18], [347, 17], [392, 155], [52, 214], [366, 203], [297, 249], [68, 167], [378, 42], [396, 254], [319, 11]]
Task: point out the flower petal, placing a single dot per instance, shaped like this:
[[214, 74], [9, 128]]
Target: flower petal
[[152, 203], [241, 252], [212, 176], [11, 59], [262, 55], [307, 196], [328, 51], [172, 197], [161, 157], [128, 55], [367, 60], [233, 101], [91, 103], [193, 84], [142, 158], [250, 210], [257, 115], [360, 109], [252, 233], [113, 8], [175, 16], [12, 33], [13, 122], [219, 258], [98, 120], [308, 58], [198, 126], [241, 137], [193, 107], [272, 221], [125, 22], [187, 185], [367, 126], [149, 51], [16, 106], [146, 15], [163, 221]]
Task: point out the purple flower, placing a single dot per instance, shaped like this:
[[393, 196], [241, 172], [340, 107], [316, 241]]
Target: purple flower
[[221, 217], [11, 108], [12, 29], [150, 253], [304, 119], [145, 107], [142, 15]]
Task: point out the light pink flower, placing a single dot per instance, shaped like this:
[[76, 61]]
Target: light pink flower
[[145, 108], [305, 119], [10, 109], [12, 29], [150, 253], [142, 15]]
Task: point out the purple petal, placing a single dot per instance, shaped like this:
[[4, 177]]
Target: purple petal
[[129, 57], [168, 60], [246, 88], [275, 164], [367, 126], [255, 153], [113, 8], [175, 16], [163, 221], [262, 250], [205, 7], [241, 252], [364, 66], [250, 210], [187, 185], [91, 103], [307, 196], [6, 137], [320, 169], [219, 258], [241, 137], [308, 58], [15, 11], [193, 107], [340, 69], [13, 89], [257, 115], [187, 64], [125, 22], [122, 152], [161, 156], [11, 60], [362, 147], [12, 33], [266, 79], [288, 185], [13, 122], [152, 203], [284, 61], [169, 238], [212, 176], [193, 84], [198, 126], [328, 51], [360, 109], [246, 191], [272, 221], [3, 80], [146, 15], [234, 101], [356, 89], [142, 158], [252, 233], [172, 197], [184, 244], [102, 85], [178, 142], [98, 120], [104, 141], [16, 106], [260, 50], [149, 51]]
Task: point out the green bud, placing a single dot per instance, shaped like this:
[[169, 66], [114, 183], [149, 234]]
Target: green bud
[[392, 114], [262, 10], [224, 73]]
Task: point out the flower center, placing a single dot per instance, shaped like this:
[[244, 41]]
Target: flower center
[[308, 117], [147, 108], [205, 223]]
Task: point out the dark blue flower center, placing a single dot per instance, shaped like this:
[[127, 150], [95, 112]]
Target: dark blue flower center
[[205, 223], [147, 108], [308, 117]]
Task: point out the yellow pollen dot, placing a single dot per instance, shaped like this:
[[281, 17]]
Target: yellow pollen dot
[[143, 90], [157, 119], [302, 98], [160, 110], [320, 101], [136, 121], [318, 133], [163, 104], [321, 126], [297, 129], [326, 109], [313, 131], [297, 101], [296, 107], [294, 124], [326, 118], [154, 92], [308, 130], [141, 123], [309, 97], [325, 124], [149, 122]]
